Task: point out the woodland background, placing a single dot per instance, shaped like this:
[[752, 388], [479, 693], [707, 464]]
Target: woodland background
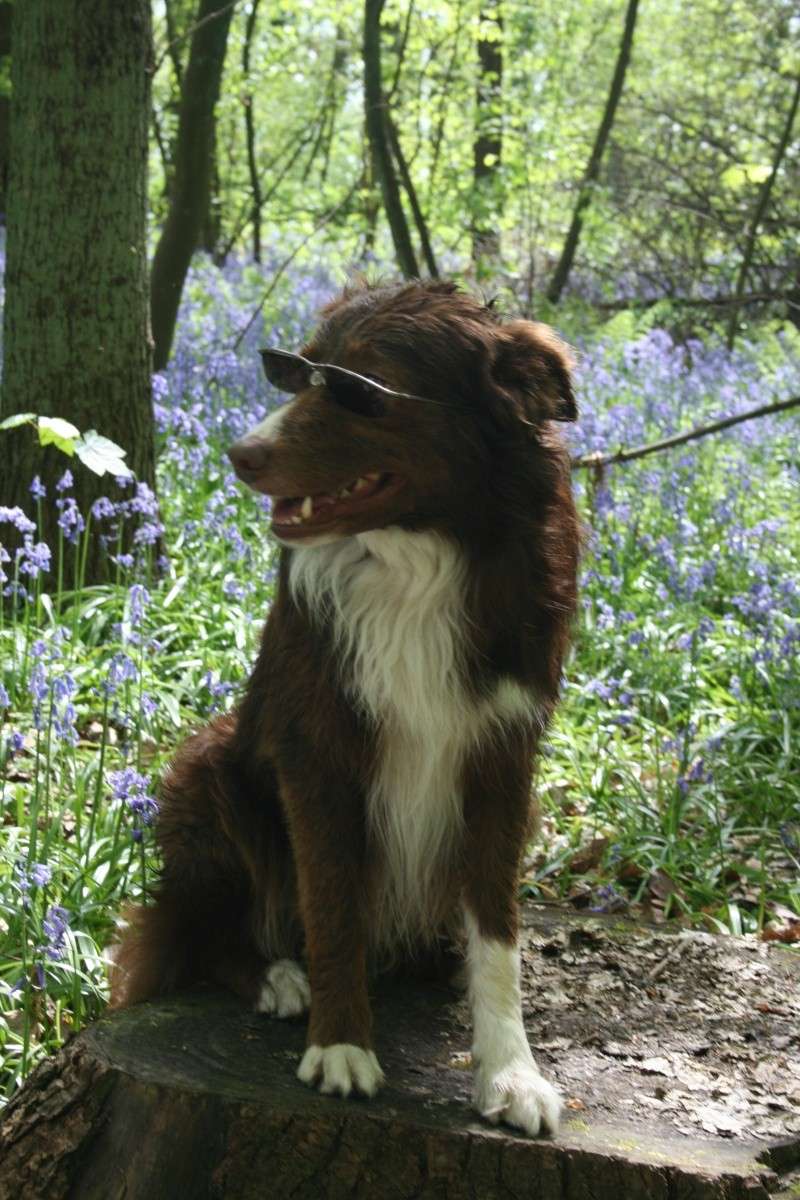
[[184, 182]]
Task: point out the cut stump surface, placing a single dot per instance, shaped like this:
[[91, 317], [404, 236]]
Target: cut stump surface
[[678, 1054]]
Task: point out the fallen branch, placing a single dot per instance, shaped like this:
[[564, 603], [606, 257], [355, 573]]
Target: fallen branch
[[596, 459]]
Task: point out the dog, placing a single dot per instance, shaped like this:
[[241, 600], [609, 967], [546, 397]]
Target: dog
[[370, 797]]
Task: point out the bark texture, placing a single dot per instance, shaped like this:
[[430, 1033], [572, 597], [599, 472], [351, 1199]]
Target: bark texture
[[193, 167], [197, 1097], [76, 330]]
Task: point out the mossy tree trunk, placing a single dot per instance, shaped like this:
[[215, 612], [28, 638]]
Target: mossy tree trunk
[[76, 338]]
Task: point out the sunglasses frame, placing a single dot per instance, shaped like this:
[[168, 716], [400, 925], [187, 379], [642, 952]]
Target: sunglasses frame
[[319, 369]]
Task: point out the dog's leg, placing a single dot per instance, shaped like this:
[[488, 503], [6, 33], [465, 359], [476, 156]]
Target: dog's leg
[[200, 926], [507, 1084], [328, 838]]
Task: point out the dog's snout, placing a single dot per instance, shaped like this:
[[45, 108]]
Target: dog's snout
[[249, 456]]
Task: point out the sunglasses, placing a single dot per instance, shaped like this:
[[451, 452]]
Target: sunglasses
[[357, 393]]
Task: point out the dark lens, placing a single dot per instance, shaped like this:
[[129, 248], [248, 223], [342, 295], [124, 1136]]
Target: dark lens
[[284, 371], [356, 395]]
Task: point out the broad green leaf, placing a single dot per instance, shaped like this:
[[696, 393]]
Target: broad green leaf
[[17, 419], [58, 432], [736, 177], [101, 455]]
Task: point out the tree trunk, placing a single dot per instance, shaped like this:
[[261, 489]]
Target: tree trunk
[[765, 191], [211, 232], [561, 274], [487, 149], [250, 131], [76, 333], [379, 147], [193, 162], [195, 1096], [413, 199], [6, 13]]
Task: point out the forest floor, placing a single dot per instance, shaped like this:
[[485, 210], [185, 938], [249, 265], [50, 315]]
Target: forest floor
[[683, 1030]]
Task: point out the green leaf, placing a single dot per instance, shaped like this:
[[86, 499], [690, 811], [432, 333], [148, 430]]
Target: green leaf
[[17, 419], [58, 432], [101, 455], [737, 177]]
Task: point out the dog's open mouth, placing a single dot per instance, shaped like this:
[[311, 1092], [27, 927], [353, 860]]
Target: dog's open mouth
[[293, 516]]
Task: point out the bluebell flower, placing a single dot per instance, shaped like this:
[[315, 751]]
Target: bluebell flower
[[39, 875], [121, 669], [70, 519], [34, 558], [37, 488], [55, 927], [130, 788], [16, 517], [234, 590], [5, 699], [103, 508], [138, 599], [64, 712], [65, 482], [148, 533]]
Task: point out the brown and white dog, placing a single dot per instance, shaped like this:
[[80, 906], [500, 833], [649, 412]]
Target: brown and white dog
[[372, 791]]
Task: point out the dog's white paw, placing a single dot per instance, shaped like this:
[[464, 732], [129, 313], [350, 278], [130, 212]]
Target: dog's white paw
[[284, 990], [519, 1096], [341, 1069]]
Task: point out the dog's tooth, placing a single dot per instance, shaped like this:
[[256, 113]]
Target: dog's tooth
[[307, 508], [372, 475], [295, 520], [345, 491], [361, 483]]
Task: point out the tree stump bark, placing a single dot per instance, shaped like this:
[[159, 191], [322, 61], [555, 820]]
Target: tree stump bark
[[196, 1098]]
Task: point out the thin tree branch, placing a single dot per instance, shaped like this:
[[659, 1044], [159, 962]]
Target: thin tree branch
[[173, 43], [679, 439], [413, 199], [592, 172], [190, 32], [759, 211], [328, 216]]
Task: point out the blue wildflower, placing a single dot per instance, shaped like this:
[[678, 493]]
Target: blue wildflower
[[55, 927]]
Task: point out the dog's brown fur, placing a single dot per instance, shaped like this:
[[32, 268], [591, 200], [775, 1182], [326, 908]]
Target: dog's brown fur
[[263, 824]]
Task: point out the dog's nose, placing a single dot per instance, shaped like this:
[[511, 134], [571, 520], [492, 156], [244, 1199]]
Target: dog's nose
[[249, 456]]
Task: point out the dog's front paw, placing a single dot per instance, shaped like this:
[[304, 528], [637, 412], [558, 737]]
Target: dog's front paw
[[519, 1096], [341, 1069], [284, 990]]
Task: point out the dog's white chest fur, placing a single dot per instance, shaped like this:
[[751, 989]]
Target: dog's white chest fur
[[397, 604]]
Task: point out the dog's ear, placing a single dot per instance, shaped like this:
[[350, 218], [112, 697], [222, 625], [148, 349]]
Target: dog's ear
[[534, 368]]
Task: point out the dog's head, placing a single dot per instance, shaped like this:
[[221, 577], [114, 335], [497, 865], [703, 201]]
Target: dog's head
[[457, 395]]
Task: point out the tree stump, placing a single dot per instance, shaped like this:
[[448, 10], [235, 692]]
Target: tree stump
[[664, 1046]]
